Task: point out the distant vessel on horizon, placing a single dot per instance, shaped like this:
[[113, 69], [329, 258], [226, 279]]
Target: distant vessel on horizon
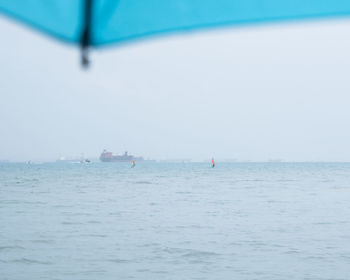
[[107, 156]]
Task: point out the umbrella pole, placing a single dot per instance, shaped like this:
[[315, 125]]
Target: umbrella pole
[[86, 34]]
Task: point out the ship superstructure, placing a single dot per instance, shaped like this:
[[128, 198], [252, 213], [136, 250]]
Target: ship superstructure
[[107, 156]]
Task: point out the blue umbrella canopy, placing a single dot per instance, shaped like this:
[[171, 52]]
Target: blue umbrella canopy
[[98, 23]]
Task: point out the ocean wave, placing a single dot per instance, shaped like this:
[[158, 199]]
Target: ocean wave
[[29, 261], [5, 248]]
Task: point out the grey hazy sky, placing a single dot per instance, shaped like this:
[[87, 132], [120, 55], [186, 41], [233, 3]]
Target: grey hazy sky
[[274, 91]]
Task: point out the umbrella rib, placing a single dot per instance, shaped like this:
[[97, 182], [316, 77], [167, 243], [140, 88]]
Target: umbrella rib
[[86, 33]]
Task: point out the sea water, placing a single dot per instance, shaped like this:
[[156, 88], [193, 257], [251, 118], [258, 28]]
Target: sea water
[[175, 221]]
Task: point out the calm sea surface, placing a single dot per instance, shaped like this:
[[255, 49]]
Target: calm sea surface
[[175, 221]]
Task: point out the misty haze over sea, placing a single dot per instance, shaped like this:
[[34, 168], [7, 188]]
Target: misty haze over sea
[[245, 137]]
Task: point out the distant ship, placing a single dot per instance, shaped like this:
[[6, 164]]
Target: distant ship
[[109, 157]]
